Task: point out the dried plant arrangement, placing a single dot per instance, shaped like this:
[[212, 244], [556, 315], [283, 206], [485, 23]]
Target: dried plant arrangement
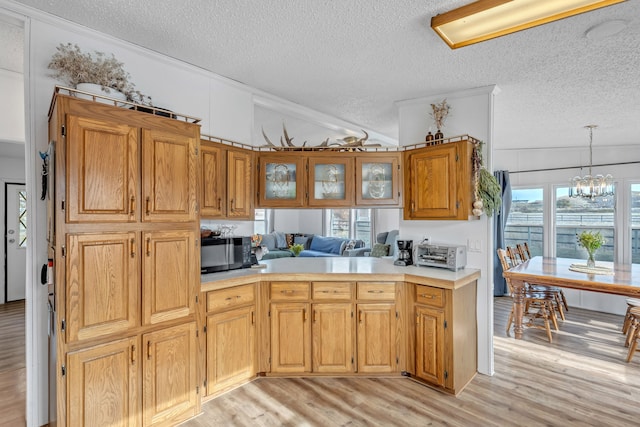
[[487, 190], [440, 112], [72, 67]]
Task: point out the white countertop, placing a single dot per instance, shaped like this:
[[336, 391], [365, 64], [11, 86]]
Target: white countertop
[[340, 268]]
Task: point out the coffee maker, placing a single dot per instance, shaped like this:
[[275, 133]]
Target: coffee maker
[[405, 253]]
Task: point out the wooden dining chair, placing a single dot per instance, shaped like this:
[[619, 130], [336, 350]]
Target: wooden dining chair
[[523, 252], [542, 301], [628, 317], [633, 334]]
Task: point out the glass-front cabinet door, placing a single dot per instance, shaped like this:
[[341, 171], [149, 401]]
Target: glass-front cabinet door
[[377, 179], [282, 180], [331, 180]]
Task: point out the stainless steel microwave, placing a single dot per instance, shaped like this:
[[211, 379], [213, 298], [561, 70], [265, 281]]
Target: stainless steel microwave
[[224, 253]]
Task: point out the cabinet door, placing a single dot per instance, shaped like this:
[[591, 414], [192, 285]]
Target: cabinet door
[[169, 365], [331, 181], [213, 200], [103, 385], [103, 279], [282, 181], [239, 189], [332, 333], [290, 337], [434, 182], [170, 274], [230, 348], [378, 179], [168, 176], [102, 171], [430, 344], [377, 338]]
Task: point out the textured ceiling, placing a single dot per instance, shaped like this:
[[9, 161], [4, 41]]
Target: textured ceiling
[[354, 58]]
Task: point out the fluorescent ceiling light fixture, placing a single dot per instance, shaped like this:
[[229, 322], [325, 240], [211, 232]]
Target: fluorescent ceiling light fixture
[[487, 19]]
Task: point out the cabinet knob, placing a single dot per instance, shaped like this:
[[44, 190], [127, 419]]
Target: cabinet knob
[[132, 242], [148, 205], [132, 205]]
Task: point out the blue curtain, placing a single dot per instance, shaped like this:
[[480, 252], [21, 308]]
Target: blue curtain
[[499, 224]]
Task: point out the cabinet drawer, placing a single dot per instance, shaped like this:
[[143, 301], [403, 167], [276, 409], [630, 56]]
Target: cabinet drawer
[[290, 291], [377, 291], [430, 296], [341, 291], [231, 297]]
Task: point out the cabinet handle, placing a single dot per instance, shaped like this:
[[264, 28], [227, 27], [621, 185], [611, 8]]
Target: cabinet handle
[[413, 207], [148, 350], [148, 205], [375, 291], [231, 204], [286, 291], [132, 205], [253, 317], [133, 247], [304, 314], [417, 319], [427, 296], [219, 203], [133, 354], [315, 316], [148, 246], [228, 298], [360, 316]]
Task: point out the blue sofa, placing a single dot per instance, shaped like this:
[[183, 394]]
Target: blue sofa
[[329, 246]]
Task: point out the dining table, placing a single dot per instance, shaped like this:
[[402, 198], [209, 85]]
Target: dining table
[[612, 278]]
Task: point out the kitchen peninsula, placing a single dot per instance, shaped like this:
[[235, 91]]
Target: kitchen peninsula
[[339, 316]]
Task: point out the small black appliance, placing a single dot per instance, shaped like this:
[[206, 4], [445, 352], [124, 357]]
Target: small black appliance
[[405, 253]]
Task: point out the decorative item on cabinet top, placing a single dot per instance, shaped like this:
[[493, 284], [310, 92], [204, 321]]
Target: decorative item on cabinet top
[[348, 143], [102, 98]]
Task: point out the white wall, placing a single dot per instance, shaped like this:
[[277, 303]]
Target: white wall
[[12, 106], [471, 113], [298, 221]]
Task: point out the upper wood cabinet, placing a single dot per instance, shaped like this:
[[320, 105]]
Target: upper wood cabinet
[[330, 180], [226, 189], [438, 182], [102, 164], [282, 180], [103, 171], [378, 179]]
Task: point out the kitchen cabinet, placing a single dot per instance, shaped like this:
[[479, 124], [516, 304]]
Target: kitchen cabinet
[[378, 179], [126, 238], [226, 189], [231, 337], [282, 180], [170, 393], [377, 326], [290, 337], [444, 358], [99, 371], [438, 181], [330, 181], [170, 275], [332, 337]]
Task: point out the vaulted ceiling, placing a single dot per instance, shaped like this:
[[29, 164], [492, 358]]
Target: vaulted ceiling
[[354, 58]]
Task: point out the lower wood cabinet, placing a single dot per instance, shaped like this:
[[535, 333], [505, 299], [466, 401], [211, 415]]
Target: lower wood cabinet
[[377, 350], [105, 382], [170, 384], [290, 337], [332, 337], [230, 348], [430, 345]]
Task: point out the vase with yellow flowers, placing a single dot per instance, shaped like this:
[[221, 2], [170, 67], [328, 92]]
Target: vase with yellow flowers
[[591, 241]]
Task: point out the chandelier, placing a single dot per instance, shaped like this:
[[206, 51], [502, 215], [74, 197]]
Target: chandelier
[[589, 186]]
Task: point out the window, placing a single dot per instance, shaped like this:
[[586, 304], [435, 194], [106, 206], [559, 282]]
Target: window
[[22, 219], [263, 220], [525, 221], [349, 224], [573, 216], [635, 223]]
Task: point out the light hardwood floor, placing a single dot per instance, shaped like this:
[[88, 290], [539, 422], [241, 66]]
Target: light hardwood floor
[[12, 364], [579, 380]]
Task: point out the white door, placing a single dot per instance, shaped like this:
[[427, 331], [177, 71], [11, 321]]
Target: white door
[[16, 241]]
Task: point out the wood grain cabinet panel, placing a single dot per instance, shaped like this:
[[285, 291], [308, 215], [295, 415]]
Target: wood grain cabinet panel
[[230, 348], [103, 383], [438, 182], [378, 179], [330, 180], [213, 188], [103, 277], [430, 345], [290, 337], [169, 366], [169, 176], [170, 273], [282, 180], [377, 338], [102, 165], [239, 188], [333, 332]]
